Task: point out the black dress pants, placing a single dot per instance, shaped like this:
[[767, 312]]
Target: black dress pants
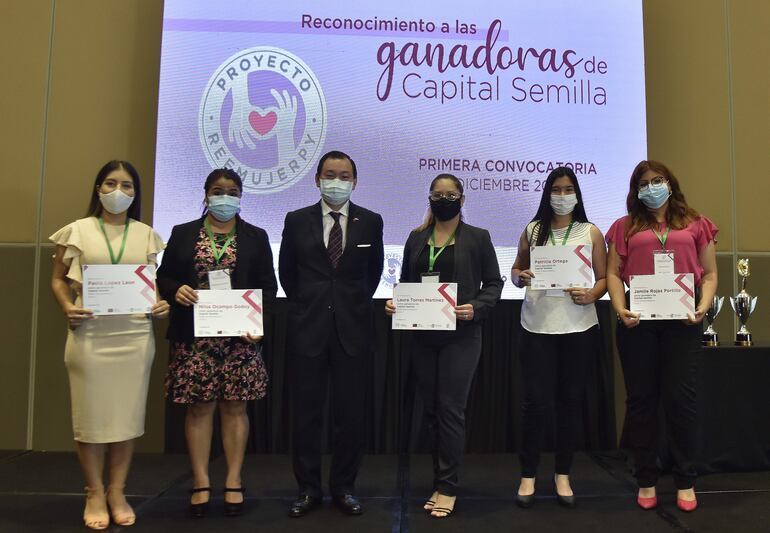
[[660, 364], [310, 377], [553, 370], [444, 363]]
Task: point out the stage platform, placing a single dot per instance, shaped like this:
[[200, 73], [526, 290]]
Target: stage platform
[[42, 491]]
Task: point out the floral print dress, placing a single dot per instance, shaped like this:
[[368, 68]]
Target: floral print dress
[[214, 368]]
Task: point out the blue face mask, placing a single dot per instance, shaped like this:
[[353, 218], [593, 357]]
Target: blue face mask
[[336, 191], [224, 207], [654, 196]]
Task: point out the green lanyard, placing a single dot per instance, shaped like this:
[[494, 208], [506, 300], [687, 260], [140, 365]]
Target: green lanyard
[[218, 252], [433, 254], [109, 246], [566, 235], [662, 238]]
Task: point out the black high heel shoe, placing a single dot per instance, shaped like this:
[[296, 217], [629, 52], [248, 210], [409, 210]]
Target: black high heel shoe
[[525, 501], [199, 510], [234, 509], [564, 501]]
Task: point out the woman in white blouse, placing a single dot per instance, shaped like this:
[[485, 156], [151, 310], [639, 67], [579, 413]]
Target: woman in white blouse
[[560, 331]]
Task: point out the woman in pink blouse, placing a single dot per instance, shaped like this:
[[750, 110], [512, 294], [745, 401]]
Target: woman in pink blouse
[[659, 357]]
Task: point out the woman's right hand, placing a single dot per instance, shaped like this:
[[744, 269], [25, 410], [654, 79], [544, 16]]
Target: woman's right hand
[[186, 296], [525, 278], [390, 309], [629, 319], [76, 316]]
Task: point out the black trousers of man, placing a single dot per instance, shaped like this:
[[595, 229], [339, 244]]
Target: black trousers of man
[[310, 378]]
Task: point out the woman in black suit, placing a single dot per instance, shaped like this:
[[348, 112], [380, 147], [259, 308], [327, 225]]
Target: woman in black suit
[[445, 249], [218, 251]]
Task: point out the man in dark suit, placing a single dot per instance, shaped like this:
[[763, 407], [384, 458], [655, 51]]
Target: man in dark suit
[[330, 264]]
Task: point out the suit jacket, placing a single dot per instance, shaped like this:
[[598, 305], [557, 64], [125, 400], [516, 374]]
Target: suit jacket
[[475, 267], [253, 270], [322, 298]]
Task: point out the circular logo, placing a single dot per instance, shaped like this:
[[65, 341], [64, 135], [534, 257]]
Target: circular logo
[[263, 114], [392, 270]]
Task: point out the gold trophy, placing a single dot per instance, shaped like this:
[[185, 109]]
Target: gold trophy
[[710, 337], [743, 305]]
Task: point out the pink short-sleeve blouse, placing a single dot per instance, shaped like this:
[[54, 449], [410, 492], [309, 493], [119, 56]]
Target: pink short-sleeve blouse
[[636, 253]]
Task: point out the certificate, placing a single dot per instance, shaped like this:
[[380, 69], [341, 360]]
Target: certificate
[[561, 267], [118, 289], [228, 313], [427, 306], [663, 296]]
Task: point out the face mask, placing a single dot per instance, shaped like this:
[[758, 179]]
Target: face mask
[[224, 207], [563, 204], [445, 209], [116, 201], [336, 191], [654, 196]]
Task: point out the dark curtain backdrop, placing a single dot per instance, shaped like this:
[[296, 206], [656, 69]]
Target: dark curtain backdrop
[[395, 412]]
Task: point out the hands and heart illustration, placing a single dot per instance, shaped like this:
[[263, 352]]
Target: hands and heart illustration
[[250, 123], [262, 121]]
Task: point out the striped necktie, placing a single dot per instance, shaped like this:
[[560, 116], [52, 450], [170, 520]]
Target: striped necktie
[[334, 248]]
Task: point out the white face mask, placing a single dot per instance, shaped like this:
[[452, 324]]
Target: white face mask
[[563, 204], [336, 191], [116, 201]]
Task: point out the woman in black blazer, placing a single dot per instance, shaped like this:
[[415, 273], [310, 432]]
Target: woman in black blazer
[[446, 249], [222, 250]]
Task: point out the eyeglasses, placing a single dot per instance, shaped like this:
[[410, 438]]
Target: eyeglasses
[[657, 180], [451, 196]]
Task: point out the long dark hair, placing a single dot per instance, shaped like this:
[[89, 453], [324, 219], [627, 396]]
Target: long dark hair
[[544, 213], [678, 214], [95, 205], [213, 176], [429, 219]]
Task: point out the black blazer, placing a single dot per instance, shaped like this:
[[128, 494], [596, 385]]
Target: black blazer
[[253, 270], [321, 297], [476, 271]]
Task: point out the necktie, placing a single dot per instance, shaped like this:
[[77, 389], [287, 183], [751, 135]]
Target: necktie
[[334, 248]]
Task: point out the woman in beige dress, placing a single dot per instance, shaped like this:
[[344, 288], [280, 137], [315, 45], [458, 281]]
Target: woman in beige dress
[[108, 357]]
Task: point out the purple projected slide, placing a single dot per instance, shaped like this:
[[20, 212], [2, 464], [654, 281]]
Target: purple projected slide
[[497, 93]]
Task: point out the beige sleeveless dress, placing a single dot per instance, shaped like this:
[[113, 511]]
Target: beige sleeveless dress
[[108, 358]]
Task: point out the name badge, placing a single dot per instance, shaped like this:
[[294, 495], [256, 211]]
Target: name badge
[[219, 280], [429, 277], [555, 293], [664, 261]]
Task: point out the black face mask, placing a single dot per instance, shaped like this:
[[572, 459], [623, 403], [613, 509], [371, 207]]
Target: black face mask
[[445, 209]]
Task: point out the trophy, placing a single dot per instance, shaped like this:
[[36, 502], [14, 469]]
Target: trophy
[[743, 305], [710, 337]]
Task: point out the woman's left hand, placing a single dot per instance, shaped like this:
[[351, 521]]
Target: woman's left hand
[[248, 337], [696, 318], [464, 312], [581, 296], [160, 309]]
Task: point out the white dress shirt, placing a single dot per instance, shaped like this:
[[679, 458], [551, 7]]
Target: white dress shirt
[[329, 221]]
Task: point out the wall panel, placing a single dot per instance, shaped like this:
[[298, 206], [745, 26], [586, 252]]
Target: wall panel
[[104, 87], [687, 101], [22, 104], [16, 318], [750, 56]]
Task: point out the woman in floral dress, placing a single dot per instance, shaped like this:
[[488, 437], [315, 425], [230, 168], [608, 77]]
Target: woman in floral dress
[[218, 251]]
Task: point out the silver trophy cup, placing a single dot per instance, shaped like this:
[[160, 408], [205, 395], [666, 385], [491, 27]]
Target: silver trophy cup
[[743, 304], [710, 337]]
